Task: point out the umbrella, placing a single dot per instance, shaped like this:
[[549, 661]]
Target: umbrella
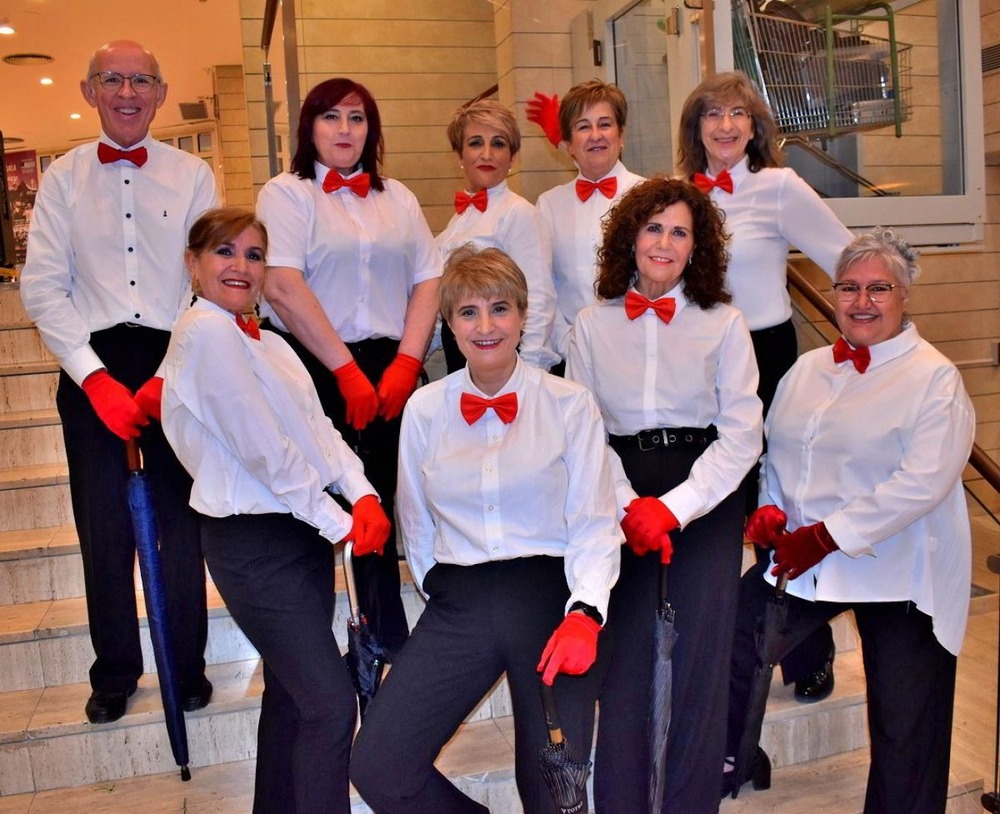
[[664, 637], [772, 645], [140, 504], [366, 656], [566, 778]]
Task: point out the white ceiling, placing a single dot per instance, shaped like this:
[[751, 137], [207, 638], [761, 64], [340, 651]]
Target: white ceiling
[[187, 37]]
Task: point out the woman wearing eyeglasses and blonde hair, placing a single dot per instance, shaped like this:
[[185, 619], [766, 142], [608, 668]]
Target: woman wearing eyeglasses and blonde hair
[[866, 443], [728, 147]]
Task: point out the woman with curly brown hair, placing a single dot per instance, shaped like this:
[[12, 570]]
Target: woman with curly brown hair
[[673, 369]]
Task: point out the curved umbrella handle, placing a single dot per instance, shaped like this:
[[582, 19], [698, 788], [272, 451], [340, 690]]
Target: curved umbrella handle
[[352, 588]]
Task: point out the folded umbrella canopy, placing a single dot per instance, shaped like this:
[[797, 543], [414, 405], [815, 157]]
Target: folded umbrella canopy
[[565, 777], [664, 638], [140, 504], [366, 657]]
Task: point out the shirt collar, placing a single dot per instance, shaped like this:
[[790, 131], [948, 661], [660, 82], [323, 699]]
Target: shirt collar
[[890, 349], [513, 385], [616, 171], [145, 142], [677, 292], [321, 170]]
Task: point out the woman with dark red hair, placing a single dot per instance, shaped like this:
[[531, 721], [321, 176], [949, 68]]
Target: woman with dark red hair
[[352, 285]]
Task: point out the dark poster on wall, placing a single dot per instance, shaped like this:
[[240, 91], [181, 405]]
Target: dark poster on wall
[[22, 185]]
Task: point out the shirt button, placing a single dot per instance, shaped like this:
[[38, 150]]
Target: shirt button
[[130, 250], [489, 467], [128, 214], [126, 180], [137, 316], [489, 508], [131, 282]]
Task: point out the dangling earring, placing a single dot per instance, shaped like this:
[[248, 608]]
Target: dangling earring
[[195, 291], [256, 310]]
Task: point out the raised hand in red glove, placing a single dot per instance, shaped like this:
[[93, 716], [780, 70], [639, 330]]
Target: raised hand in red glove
[[359, 395], [647, 525], [397, 384], [370, 528], [571, 649], [765, 525], [149, 396], [114, 405], [544, 111], [797, 552]]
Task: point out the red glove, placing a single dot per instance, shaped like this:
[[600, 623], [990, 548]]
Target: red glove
[[647, 525], [572, 649], [797, 552], [149, 396], [370, 528], [544, 111], [765, 525], [398, 383], [358, 393], [114, 405]]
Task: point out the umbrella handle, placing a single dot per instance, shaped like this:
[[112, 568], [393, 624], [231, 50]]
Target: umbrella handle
[[133, 455], [352, 588], [781, 586], [551, 714]]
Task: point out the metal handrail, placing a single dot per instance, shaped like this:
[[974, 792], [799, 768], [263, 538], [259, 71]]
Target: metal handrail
[[978, 459]]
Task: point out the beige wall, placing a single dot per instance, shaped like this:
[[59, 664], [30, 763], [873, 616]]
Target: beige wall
[[234, 138], [990, 34]]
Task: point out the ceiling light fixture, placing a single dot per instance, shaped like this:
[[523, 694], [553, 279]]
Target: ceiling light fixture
[[6, 28], [46, 80], [74, 115]]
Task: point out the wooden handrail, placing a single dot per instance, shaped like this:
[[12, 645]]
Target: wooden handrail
[[980, 461]]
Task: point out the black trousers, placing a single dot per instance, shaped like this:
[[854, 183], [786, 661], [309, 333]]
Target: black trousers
[[703, 586], [377, 445], [274, 571], [776, 350], [911, 691], [480, 621], [98, 479]]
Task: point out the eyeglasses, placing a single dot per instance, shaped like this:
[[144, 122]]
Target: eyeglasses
[[735, 114], [112, 80], [877, 292]]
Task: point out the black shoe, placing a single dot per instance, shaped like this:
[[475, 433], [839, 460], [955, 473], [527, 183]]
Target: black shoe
[[198, 698], [105, 707], [815, 686], [760, 775]]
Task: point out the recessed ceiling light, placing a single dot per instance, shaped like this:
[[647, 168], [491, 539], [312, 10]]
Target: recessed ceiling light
[[6, 27], [46, 80], [74, 115]]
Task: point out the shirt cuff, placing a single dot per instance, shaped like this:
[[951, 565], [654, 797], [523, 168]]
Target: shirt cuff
[[845, 538], [685, 503], [354, 486], [81, 363]]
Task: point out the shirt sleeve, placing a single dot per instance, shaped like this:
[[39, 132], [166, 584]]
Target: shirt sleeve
[[47, 279], [287, 222], [528, 245], [593, 553], [935, 454], [426, 260], [416, 524], [215, 381], [810, 225], [721, 468]]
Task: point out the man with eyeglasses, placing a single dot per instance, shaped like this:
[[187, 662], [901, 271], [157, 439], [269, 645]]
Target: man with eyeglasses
[[104, 281]]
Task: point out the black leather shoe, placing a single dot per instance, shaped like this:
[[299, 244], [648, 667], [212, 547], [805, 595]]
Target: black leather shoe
[[760, 775], [197, 698], [105, 707], [815, 686]]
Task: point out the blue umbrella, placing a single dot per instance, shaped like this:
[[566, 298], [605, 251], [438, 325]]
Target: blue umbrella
[[366, 656], [140, 504]]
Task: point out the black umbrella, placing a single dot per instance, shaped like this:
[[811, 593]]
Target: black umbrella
[[772, 645], [366, 656], [664, 637], [565, 777], [140, 504]]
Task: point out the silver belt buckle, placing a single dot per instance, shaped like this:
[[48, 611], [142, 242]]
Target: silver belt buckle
[[652, 443]]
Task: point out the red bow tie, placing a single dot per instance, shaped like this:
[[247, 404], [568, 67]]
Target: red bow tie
[[359, 184], [723, 181], [636, 305], [585, 188], [107, 154], [248, 326], [473, 407], [477, 199], [861, 356]]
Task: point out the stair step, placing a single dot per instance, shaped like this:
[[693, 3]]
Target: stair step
[[31, 445], [836, 785], [20, 390], [29, 368], [24, 477], [16, 419]]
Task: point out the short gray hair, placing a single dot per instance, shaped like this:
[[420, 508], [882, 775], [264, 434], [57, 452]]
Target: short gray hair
[[883, 244]]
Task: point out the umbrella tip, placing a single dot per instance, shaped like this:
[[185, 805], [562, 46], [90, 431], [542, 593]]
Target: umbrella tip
[[185, 773]]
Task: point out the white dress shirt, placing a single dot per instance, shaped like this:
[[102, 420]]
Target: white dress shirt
[[361, 257], [574, 229], [878, 457], [696, 371], [511, 224], [540, 485], [106, 246], [244, 419], [767, 212]]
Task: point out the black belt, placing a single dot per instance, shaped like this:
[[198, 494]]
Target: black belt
[[666, 438]]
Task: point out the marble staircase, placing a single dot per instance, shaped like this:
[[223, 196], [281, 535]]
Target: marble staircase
[[46, 745]]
